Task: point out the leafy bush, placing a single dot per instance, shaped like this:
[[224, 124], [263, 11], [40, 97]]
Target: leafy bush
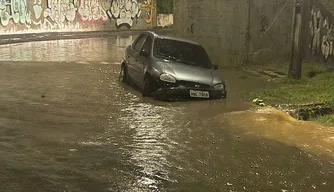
[[165, 6]]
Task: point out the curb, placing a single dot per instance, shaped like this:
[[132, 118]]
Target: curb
[[50, 36]]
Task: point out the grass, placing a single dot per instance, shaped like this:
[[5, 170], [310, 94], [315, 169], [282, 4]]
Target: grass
[[315, 86], [325, 120]]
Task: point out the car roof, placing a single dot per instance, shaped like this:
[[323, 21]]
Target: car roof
[[155, 35]]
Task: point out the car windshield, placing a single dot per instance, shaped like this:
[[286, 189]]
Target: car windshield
[[183, 52]]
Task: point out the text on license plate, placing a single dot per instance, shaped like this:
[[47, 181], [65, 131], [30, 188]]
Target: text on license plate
[[199, 94]]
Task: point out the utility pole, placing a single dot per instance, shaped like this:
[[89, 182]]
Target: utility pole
[[297, 47]]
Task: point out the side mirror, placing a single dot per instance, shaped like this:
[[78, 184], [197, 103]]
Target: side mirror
[[144, 53], [215, 67]]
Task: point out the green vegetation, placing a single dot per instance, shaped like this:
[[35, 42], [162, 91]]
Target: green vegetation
[[316, 86], [165, 6], [325, 120]]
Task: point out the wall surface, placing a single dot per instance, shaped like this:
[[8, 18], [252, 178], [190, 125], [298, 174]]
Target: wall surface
[[329, 4], [24, 16], [239, 31], [255, 31], [165, 20], [220, 26], [320, 32], [270, 30]]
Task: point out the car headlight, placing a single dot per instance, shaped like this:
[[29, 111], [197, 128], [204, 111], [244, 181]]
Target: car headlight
[[167, 78], [219, 86]]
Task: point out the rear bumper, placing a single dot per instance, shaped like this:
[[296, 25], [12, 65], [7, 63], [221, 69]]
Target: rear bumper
[[184, 93]]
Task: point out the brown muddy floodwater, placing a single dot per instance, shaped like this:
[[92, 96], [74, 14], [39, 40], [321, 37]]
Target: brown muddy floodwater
[[68, 125]]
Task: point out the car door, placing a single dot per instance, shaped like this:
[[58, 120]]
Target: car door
[[132, 57], [142, 61]]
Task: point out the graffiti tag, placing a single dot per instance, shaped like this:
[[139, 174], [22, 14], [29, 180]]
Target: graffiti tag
[[91, 10], [148, 6], [15, 10], [58, 11], [322, 35], [124, 11]]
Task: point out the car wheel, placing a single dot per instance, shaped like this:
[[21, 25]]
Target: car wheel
[[225, 95], [123, 75], [147, 88]]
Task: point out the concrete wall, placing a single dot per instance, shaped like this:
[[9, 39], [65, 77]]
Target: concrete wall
[[329, 4], [320, 32], [24, 16], [270, 30], [220, 26], [239, 31], [164, 20]]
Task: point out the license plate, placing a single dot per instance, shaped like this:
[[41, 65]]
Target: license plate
[[199, 94]]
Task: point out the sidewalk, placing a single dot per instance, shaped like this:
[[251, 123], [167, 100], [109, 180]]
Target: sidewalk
[[21, 38]]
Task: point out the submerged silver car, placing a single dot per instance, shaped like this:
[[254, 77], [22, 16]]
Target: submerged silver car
[[171, 68]]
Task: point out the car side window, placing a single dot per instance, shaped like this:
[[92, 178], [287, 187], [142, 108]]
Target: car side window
[[139, 43], [136, 40], [148, 44]]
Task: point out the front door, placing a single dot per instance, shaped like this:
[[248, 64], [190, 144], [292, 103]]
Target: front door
[[142, 61], [133, 58]]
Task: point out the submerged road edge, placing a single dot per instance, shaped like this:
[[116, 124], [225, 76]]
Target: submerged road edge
[[51, 36]]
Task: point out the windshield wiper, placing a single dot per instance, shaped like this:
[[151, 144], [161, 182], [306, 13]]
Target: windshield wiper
[[172, 58], [184, 62], [165, 56], [191, 63]]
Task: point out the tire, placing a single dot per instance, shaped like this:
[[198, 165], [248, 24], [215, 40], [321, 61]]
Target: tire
[[225, 95], [147, 88], [123, 75]]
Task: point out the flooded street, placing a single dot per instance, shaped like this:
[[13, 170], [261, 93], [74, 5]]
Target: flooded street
[[68, 125]]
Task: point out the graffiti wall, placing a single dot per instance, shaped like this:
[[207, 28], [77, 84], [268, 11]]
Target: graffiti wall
[[320, 36], [20, 16]]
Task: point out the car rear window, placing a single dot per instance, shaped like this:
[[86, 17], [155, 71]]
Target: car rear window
[[183, 52]]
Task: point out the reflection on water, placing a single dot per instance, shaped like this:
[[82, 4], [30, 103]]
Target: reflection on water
[[151, 146], [72, 50]]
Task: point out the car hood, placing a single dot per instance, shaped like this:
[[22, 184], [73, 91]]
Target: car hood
[[183, 72]]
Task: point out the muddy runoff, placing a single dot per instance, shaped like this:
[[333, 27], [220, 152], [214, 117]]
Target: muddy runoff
[[306, 135], [67, 124]]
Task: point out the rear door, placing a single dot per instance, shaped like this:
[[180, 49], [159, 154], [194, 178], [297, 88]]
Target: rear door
[[132, 57]]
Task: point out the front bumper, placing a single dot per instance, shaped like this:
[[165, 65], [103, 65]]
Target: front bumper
[[168, 93]]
